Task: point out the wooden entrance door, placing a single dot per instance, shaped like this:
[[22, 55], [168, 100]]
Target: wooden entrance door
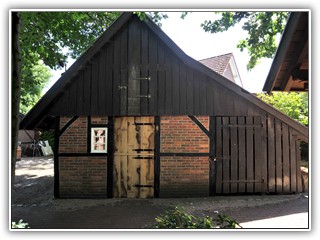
[[133, 171], [238, 155]]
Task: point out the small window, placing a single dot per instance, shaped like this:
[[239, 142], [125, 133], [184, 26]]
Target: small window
[[99, 138]]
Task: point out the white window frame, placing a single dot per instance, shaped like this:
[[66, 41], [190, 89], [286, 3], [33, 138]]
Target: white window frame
[[105, 142]]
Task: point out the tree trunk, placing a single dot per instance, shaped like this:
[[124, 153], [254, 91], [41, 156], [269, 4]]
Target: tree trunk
[[15, 89]]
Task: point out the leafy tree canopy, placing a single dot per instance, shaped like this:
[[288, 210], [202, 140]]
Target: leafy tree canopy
[[293, 104], [262, 28]]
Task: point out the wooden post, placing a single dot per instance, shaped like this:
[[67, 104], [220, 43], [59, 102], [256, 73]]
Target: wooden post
[[56, 191], [110, 157], [157, 157]]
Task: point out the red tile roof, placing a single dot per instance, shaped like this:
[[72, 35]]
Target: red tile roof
[[217, 63]]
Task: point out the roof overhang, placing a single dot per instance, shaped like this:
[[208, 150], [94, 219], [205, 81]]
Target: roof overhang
[[289, 70]]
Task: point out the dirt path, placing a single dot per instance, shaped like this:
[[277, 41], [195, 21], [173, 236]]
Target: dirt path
[[33, 182]]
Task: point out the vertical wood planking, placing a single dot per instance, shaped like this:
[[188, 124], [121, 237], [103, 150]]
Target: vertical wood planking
[[153, 85], [219, 155], [72, 98], [147, 165], [226, 154], [264, 147], [271, 155], [196, 97], [110, 88], [228, 102], [183, 89], [169, 85], [190, 89], [87, 87], [234, 155], [203, 94], [80, 94], [298, 161], [242, 154], [209, 93], [124, 71], [240, 106], [257, 154], [161, 80], [95, 86], [285, 154], [216, 101], [118, 98], [134, 50], [133, 166], [120, 159], [250, 156], [293, 164], [175, 86], [144, 84], [102, 83], [278, 156]]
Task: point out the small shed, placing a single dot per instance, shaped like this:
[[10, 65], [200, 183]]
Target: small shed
[[135, 117]]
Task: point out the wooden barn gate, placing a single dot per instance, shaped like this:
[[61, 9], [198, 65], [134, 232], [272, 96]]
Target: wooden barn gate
[[238, 155], [254, 156], [134, 157]]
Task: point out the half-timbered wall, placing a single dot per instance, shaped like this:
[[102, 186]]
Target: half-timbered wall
[[204, 143], [80, 174], [184, 157]]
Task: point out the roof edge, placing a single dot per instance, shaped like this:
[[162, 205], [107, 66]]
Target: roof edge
[[49, 96], [281, 50]]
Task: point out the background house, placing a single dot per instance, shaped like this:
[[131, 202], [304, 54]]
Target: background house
[[225, 65]]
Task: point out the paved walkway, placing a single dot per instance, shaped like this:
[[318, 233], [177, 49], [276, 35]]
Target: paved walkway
[[262, 212], [32, 201]]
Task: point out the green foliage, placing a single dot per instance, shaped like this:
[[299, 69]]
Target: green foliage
[[49, 136], [20, 224], [292, 104], [262, 28], [178, 218], [34, 79], [155, 16]]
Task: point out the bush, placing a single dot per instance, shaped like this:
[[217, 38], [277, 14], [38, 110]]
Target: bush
[[20, 224], [178, 218]]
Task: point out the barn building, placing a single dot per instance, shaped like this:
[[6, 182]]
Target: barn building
[[135, 117]]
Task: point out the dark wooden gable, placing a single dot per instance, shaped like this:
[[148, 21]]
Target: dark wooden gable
[[134, 69]]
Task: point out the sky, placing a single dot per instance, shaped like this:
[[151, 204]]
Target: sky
[[198, 44]]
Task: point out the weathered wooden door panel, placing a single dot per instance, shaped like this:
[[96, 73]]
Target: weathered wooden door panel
[[238, 155], [134, 157]]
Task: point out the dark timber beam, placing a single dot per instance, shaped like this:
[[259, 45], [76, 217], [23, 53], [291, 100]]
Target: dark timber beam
[[110, 159], [157, 157], [300, 74], [67, 125], [56, 191], [199, 124]]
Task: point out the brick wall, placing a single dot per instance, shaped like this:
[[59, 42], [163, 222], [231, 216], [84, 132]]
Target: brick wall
[[83, 176], [183, 176], [74, 139]]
